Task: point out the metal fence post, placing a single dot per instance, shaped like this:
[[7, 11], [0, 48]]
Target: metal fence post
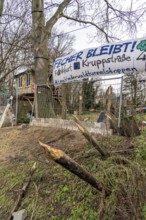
[[120, 104], [16, 104], [36, 100]]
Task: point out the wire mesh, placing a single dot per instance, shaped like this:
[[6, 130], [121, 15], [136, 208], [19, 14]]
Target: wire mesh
[[86, 99]]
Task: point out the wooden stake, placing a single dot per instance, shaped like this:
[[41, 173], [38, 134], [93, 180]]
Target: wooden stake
[[23, 191], [64, 160], [90, 138]]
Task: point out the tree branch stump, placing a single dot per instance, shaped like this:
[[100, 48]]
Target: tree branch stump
[[64, 160], [90, 138]]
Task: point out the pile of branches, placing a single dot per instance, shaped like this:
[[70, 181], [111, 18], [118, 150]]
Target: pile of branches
[[121, 180]]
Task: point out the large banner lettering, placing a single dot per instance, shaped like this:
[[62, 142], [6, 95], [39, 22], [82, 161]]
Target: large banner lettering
[[116, 58]]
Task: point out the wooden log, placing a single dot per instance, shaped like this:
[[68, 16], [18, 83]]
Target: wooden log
[[108, 104], [22, 192], [64, 160], [129, 127], [90, 138], [113, 122]]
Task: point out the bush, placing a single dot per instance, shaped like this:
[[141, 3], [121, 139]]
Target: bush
[[23, 119]]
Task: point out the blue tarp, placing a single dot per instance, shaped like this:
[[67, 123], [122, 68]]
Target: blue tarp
[[101, 117]]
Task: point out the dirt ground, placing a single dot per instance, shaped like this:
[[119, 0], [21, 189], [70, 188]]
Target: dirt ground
[[24, 141]]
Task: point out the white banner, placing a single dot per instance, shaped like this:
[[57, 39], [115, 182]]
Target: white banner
[[114, 58]]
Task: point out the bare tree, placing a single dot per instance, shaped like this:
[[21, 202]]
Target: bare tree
[[15, 47], [111, 20], [132, 88], [60, 44]]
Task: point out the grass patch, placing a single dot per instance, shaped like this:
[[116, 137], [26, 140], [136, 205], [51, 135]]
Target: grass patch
[[61, 195]]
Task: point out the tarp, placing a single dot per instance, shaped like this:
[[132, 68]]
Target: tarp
[[101, 117], [115, 58]]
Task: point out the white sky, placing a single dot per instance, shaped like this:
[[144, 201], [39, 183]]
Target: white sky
[[82, 36], [83, 41]]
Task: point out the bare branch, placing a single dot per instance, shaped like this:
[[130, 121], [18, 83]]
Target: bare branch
[[88, 22], [57, 15]]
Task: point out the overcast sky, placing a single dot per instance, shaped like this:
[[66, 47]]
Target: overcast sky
[[82, 36], [84, 40]]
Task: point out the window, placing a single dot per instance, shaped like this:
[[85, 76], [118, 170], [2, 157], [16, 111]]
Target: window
[[20, 81], [28, 79]]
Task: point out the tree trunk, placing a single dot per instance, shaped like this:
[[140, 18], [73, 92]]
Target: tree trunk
[[1, 7], [40, 43], [41, 33]]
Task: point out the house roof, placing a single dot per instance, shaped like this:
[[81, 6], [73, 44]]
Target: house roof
[[23, 71]]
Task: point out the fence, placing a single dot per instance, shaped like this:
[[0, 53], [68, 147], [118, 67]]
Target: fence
[[85, 99], [3, 99]]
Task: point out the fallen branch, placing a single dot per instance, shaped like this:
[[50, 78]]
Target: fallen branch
[[64, 160], [90, 138], [23, 191], [58, 138], [124, 151], [128, 127], [120, 160], [113, 121]]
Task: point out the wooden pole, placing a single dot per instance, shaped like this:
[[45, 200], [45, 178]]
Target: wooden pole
[[64, 95], [80, 106], [64, 160], [109, 104], [36, 101], [120, 104], [90, 138], [16, 116]]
